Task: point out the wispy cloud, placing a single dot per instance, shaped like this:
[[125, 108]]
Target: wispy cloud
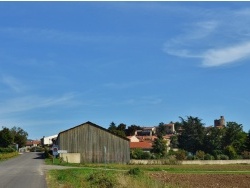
[[218, 40], [125, 85], [227, 55], [151, 100], [27, 103], [58, 36], [12, 83]]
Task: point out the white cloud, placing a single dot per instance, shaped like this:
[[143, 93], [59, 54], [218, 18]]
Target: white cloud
[[223, 56], [126, 85], [222, 38], [13, 83], [24, 104]]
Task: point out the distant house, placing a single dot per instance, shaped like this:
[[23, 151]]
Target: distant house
[[48, 141], [145, 146], [170, 128], [146, 131], [32, 143], [94, 144]]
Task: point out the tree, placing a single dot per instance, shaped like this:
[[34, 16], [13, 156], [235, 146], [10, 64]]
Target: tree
[[19, 135], [159, 147], [161, 130], [213, 140], [177, 126], [6, 138], [112, 127], [247, 143], [119, 131], [174, 141], [191, 138], [235, 136], [130, 131]]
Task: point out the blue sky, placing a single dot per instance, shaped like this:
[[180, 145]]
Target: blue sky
[[65, 63]]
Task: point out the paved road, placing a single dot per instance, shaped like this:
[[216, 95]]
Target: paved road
[[24, 171]]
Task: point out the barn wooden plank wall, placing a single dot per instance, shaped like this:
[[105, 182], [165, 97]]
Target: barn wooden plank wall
[[95, 144]]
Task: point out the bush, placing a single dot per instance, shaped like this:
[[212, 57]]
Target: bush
[[230, 151], [180, 155], [101, 179], [7, 150], [135, 171], [222, 157], [36, 149], [139, 154], [208, 157], [47, 153], [246, 155], [200, 155]]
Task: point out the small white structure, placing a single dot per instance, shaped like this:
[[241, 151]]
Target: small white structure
[[48, 141], [133, 139]]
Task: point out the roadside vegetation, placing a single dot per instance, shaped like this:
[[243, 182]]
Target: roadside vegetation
[[9, 140], [6, 153]]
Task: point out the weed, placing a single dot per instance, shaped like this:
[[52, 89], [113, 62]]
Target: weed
[[102, 180]]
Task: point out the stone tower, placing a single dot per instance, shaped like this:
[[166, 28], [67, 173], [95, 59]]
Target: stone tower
[[220, 122]]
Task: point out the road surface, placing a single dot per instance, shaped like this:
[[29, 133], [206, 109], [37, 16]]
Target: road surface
[[24, 171]]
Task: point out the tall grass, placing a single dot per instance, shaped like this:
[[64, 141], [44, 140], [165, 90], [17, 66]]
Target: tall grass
[[4, 156]]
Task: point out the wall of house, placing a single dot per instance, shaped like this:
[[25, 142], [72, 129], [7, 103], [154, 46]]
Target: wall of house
[[94, 144]]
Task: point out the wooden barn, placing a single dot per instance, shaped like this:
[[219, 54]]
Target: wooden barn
[[94, 144]]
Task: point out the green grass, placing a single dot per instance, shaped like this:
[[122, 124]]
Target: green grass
[[136, 176], [5, 156], [96, 178], [198, 169]]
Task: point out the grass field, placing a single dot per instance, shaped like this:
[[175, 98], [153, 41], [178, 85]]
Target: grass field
[[157, 176]]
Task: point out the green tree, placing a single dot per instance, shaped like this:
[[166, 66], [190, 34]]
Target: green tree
[[112, 127], [19, 135], [174, 141], [192, 136], [130, 131], [6, 138], [159, 147], [161, 130], [177, 126], [213, 140], [235, 136], [247, 142], [117, 130]]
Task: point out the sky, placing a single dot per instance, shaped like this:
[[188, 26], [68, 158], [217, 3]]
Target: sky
[[142, 63]]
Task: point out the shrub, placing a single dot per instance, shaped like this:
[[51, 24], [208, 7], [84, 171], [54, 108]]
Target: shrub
[[222, 157], [180, 155], [200, 155], [246, 155], [7, 150], [36, 149], [101, 179], [208, 157], [135, 171], [230, 151]]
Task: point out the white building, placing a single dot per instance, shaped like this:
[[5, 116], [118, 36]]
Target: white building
[[48, 141]]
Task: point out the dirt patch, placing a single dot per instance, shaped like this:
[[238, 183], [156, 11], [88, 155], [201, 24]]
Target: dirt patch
[[204, 180]]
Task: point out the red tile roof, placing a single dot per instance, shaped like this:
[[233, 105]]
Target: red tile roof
[[141, 145]]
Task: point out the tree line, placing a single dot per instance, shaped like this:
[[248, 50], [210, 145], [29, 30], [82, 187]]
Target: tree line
[[11, 137], [193, 139]]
